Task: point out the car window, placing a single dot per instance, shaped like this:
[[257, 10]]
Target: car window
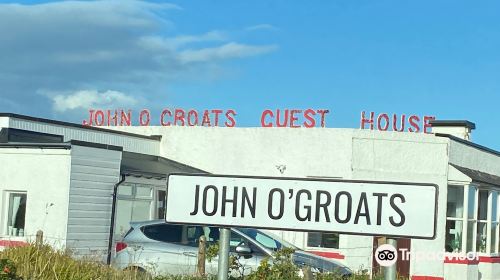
[[213, 236], [163, 232], [266, 239], [237, 239], [182, 234]]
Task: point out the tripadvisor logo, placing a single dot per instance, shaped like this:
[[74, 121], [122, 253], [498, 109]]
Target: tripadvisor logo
[[386, 255]]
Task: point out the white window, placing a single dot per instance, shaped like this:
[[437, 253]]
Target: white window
[[133, 204], [482, 221], [323, 240], [472, 220], [454, 219], [16, 213]]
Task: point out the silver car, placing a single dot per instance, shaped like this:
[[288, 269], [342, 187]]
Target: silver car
[[160, 248]]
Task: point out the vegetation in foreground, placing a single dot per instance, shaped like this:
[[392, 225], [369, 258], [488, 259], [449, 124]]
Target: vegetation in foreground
[[42, 262]]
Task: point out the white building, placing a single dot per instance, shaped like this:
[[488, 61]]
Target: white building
[[67, 173]]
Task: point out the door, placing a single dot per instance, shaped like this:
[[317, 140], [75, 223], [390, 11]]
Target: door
[[164, 255]]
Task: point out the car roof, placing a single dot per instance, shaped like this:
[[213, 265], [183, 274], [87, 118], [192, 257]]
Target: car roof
[[146, 223]]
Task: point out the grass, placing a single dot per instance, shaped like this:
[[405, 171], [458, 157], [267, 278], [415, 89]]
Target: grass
[[43, 262]]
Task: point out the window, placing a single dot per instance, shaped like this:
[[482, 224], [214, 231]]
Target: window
[[164, 233], [16, 213], [482, 221], [133, 204], [494, 223], [323, 240], [267, 240], [237, 239], [454, 218], [472, 220], [180, 234], [161, 200]]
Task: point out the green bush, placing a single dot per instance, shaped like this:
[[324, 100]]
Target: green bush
[[45, 263], [7, 270], [282, 267]]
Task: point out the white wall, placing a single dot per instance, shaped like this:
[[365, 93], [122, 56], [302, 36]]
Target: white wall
[[4, 122], [257, 151], [489, 271], [401, 157], [340, 153], [463, 271], [44, 175], [94, 172]]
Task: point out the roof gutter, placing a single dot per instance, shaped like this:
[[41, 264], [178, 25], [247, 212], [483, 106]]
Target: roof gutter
[[113, 214]]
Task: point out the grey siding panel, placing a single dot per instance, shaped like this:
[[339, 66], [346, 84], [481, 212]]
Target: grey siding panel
[[92, 236], [129, 143], [82, 177], [88, 231], [90, 199], [76, 215], [91, 222], [94, 172], [94, 163], [84, 192], [90, 206]]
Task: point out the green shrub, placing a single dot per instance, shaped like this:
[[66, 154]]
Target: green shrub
[[282, 267], [45, 263], [7, 270]]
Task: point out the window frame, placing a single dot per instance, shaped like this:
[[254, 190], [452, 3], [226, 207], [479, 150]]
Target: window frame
[[5, 227], [306, 242], [474, 221], [464, 216], [133, 197]]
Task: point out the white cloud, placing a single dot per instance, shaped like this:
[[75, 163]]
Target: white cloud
[[264, 26], [165, 43], [125, 46], [207, 37], [227, 51], [85, 99]]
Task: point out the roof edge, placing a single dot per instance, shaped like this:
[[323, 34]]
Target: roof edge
[[95, 145], [62, 123], [66, 146], [468, 143], [455, 123]]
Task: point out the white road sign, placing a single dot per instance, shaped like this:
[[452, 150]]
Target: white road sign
[[354, 207]]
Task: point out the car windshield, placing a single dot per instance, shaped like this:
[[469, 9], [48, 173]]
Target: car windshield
[[267, 240]]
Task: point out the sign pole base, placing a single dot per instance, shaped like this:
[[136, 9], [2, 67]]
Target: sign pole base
[[223, 265], [391, 271]]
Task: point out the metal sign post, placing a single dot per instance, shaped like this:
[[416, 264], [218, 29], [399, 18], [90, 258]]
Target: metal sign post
[[223, 265], [390, 271]]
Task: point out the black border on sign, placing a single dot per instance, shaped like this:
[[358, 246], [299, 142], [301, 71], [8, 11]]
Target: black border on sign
[[317, 180]]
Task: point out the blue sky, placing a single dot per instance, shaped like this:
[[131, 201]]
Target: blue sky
[[437, 58]]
